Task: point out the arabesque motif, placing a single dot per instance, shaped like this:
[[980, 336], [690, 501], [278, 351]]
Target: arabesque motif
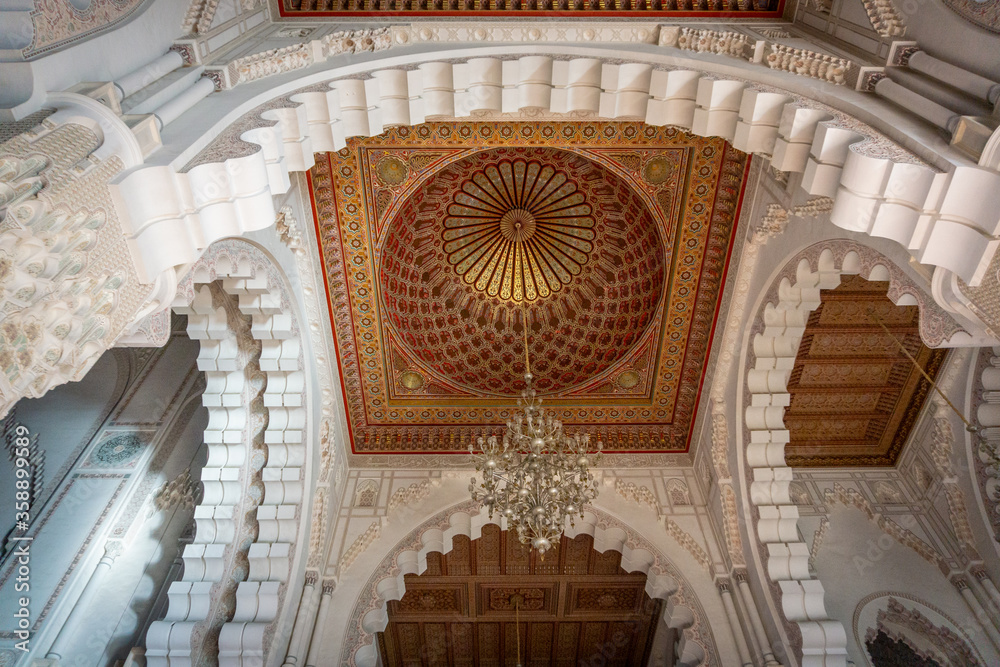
[[394, 296]]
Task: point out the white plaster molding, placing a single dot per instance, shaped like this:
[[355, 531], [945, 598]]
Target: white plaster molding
[[362, 542], [725, 42], [773, 54], [409, 495], [257, 426], [688, 543], [526, 31], [942, 446], [884, 18], [808, 63], [68, 287], [727, 499], [333, 446], [298, 56], [875, 189], [638, 494], [984, 451], [818, 538]]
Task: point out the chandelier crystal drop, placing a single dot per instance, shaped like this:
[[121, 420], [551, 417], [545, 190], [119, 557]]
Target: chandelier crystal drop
[[536, 477]]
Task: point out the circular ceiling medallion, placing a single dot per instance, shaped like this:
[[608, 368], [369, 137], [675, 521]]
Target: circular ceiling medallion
[[656, 170], [391, 170], [628, 379], [518, 230], [411, 380], [521, 236]]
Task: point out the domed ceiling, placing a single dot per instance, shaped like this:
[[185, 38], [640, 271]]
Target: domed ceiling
[[447, 246], [513, 234]]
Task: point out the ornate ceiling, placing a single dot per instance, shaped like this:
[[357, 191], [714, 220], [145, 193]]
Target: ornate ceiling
[[573, 605], [854, 394], [609, 241], [634, 9]]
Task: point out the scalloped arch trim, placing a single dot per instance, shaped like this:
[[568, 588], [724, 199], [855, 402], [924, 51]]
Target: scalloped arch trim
[[944, 219], [681, 612]]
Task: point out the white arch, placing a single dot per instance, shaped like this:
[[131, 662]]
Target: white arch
[[781, 324], [682, 610], [878, 188], [257, 422]]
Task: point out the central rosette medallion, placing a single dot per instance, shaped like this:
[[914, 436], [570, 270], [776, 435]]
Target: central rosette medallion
[[518, 230], [517, 225], [521, 236]]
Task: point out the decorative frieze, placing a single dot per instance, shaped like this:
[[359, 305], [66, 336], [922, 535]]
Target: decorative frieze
[[317, 527], [943, 438], [641, 495], [728, 504], [774, 54], [362, 542], [818, 538], [409, 495], [525, 31], [298, 56], [884, 17], [807, 63], [725, 43], [690, 545]]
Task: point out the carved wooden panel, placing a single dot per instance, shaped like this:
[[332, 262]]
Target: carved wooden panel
[[460, 556], [603, 599], [492, 602], [854, 394]]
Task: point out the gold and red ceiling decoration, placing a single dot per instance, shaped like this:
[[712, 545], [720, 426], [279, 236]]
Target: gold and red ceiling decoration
[[571, 607], [440, 243], [854, 395], [564, 9]]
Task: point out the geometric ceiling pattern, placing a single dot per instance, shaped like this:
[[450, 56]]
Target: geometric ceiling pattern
[[531, 8], [603, 244], [493, 601], [855, 396]]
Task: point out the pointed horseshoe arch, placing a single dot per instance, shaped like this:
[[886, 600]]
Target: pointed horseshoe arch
[[775, 338], [682, 610]]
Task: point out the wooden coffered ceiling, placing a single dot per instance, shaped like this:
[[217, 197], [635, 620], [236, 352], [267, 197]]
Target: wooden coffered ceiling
[[854, 394], [576, 604]]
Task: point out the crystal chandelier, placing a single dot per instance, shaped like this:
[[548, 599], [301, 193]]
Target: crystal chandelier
[[536, 477]]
